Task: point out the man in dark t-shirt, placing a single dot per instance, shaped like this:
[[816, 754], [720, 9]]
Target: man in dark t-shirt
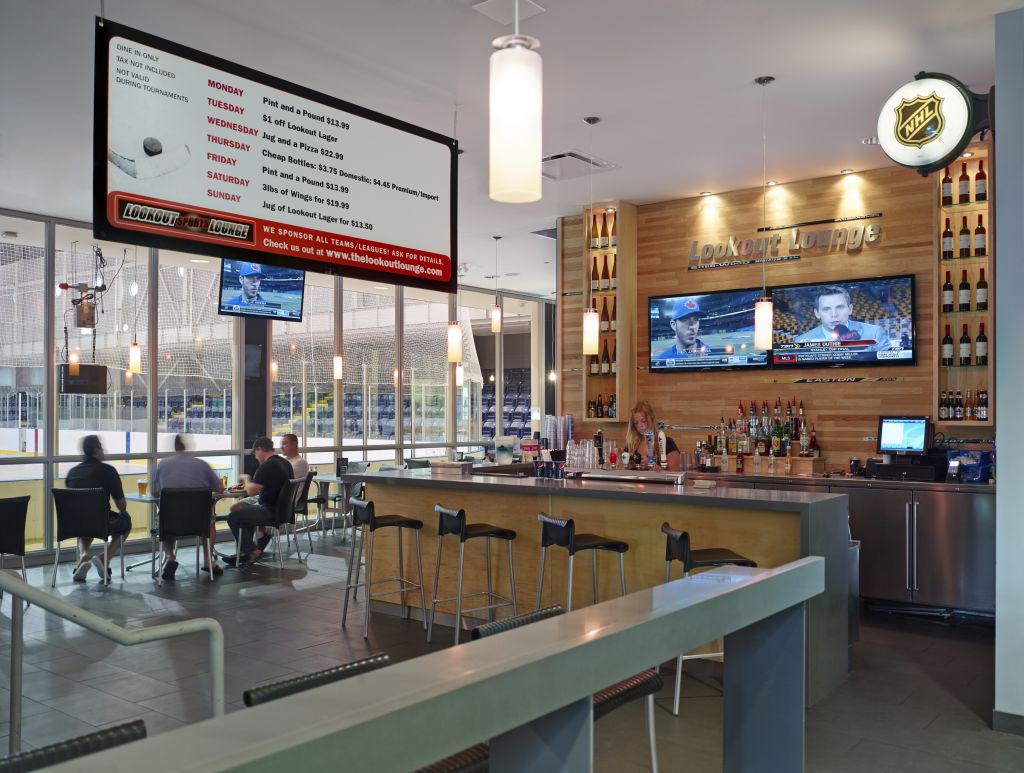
[[266, 485], [93, 472]]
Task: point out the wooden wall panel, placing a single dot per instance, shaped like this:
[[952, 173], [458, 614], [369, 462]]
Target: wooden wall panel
[[843, 414]]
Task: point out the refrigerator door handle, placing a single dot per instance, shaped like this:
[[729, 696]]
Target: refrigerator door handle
[[915, 546], [906, 548]]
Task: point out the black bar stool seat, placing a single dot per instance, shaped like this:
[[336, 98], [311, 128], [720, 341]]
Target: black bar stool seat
[[705, 557], [453, 521], [595, 542], [559, 532], [386, 521]]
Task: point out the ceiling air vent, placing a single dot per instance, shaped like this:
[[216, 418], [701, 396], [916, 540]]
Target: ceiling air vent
[[573, 164]]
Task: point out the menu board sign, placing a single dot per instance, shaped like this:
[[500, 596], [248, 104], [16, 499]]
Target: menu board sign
[[199, 154]]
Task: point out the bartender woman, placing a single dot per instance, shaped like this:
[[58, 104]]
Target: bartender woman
[[642, 419]]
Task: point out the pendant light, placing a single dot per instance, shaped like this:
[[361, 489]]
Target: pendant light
[[763, 310], [135, 351], [135, 357], [591, 319], [454, 342], [338, 369], [516, 112], [496, 309], [460, 375], [73, 366]]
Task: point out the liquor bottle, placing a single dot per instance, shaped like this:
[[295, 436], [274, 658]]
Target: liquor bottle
[[613, 326], [595, 231], [595, 366], [958, 407], [614, 279], [947, 243], [965, 240], [591, 409], [964, 298], [599, 413], [606, 280], [612, 409], [982, 405], [604, 231], [788, 465], [965, 349], [947, 349], [805, 441], [943, 407], [606, 320], [606, 362], [815, 450], [757, 459], [613, 237], [595, 277], [968, 406], [981, 183], [947, 188], [981, 347], [964, 181], [979, 238], [614, 358], [947, 294]]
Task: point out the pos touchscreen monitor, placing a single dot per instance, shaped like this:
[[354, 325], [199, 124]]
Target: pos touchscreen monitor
[[903, 435]]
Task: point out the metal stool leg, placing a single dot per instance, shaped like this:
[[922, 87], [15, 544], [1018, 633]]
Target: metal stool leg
[[419, 577], [652, 744], [458, 592], [348, 577], [622, 572], [679, 686], [433, 597], [568, 587], [512, 580], [401, 578], [540, 576], [490, 594], [56, 560], [24, 577], [359, 569], [593, 572], [369, 580]]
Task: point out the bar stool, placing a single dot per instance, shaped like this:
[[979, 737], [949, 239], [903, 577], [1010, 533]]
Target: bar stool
[[562, 533], [677, 548], [450, 521], [363, 515]]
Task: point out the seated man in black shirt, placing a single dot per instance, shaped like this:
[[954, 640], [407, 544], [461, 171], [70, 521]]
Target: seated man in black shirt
[[94, 473], [266, 484]]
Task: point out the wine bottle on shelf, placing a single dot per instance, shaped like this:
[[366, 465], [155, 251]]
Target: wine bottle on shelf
[[964, 185], [606, 321], [612, 411], [965, 240], [599, 412], [981, 183], [958, 407], [614, 278], [943, 407], [591, 409], [614, 353], [979, 238], [947, 349], [947, 188], [606, 281], [981, 293], [595, 278], [609, 218], [969, 406], [606, 362], [981, 347], [595, 231], [947, 241], [965, 348], [604, 231], [595, 367], [964, 298], [982, 412], [947, 294], [613, 326]]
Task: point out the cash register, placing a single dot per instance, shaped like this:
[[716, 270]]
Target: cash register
[[904, 442]]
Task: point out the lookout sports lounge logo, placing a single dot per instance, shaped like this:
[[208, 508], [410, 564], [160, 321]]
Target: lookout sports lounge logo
[[919, 120], [159, 217]]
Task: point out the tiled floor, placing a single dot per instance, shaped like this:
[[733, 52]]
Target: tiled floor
[[918, 699]]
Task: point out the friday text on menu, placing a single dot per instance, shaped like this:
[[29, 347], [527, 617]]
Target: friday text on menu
[[197, 153]]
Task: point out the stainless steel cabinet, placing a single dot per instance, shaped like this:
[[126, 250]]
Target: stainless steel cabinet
[[880, 519]]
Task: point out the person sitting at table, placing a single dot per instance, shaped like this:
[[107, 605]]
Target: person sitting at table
[[93, 472], [290, 451], [266, 484], [641, 420], [185, 471]]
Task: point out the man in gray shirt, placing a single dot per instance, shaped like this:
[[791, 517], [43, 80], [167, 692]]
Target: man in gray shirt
[[185, 471]]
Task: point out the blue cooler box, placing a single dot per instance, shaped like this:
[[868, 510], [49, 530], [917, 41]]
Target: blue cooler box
[[975, 466]]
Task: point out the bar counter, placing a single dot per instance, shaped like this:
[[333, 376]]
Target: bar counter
[[770, 527]]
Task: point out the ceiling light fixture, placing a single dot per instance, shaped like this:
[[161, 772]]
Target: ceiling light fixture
[[967, 154], [454, 342], [516, 113], [763, 310], [591, 319], [705, 193], [460, 375], [845, 171], [339, 370], [496, 308], [771, 183]]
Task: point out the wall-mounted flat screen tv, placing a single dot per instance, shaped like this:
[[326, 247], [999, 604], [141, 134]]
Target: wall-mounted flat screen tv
[[854, 322], [258, 290], [709, 331]]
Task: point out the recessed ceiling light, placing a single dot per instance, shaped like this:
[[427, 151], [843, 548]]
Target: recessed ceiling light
[[609, 209], [869, 141], [380, 287], [967, 154], [772, 182], [199, 260], [705, 193], [845, 171]]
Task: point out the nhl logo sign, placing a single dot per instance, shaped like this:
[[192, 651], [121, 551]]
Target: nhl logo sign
[[919, 120]]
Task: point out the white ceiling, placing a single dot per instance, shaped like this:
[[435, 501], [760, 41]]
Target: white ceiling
[[671, 80]]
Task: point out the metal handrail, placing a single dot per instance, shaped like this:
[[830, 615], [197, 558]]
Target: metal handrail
[[13, 584]]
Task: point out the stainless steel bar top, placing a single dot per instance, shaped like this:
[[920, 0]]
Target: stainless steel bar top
[[597, 489], [843, 480]]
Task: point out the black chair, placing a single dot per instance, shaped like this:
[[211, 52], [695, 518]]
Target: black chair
[[255, 696], [644, 685], [677, 548], [562, 533], [83, 513], [13, 513], [363, 515], [451, 521], [73, 748], [284, 514], [417, 464], [183, 513], [302, 503]]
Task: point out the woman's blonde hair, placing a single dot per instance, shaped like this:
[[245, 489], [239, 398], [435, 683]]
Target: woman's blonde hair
[[634, 440]]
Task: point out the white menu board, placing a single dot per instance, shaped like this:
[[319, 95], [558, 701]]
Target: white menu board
[[198, 154]]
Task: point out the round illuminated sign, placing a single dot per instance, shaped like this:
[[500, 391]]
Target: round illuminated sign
[[927, 122]]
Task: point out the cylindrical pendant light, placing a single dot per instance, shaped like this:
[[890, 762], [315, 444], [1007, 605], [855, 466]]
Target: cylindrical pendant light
[[763, 323], [495, 318], [128, 378], [73, 369], [516, 112], [591, 331], [338, 371], [460, 375], [273, 370], [135, 357], [496, 309], [454, 342]]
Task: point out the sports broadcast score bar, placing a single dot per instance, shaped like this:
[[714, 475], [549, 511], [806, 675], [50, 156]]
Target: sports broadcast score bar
[[198, 154]]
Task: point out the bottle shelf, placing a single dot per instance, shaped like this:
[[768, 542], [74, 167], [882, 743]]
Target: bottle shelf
[[965, 206], [962, 367], [969, 311], [947, 261], [964, 423]]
